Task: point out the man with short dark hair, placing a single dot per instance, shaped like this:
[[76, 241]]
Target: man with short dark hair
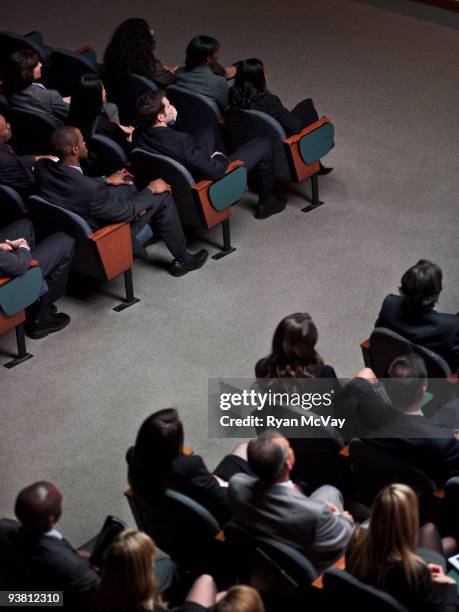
[[412, 314], [198, 152], [42, 558], [113, 199], [271, 505]]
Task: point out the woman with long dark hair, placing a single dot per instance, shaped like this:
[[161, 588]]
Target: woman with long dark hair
[[398, 557], [128, 583], [250, 91], [131, 50], [159, 461], [92, 114], [293, 353], [24, 92], [199, 73]]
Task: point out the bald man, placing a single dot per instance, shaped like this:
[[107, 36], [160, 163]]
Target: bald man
[[43, 559]]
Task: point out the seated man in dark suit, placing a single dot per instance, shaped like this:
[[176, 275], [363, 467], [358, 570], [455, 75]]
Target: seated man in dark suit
[[271, 505], [409, 435], [42, 558], [198, 152], [412, 314], [55, 255], [16, 171], [102, 201]]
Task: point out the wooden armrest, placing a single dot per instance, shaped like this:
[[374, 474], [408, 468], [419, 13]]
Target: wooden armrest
[[187, 451], [206, 183], [220, 536], [310, 128], [319, 581], [221, 121], [84, 48], [83, 553], [106, 231], [440, 493], [453, 378], [365, 344], [129, 493], [345, 451], [6, 279]]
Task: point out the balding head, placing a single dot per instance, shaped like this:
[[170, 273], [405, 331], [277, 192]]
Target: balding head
[[270, 457], [5, 130], [38, 506]]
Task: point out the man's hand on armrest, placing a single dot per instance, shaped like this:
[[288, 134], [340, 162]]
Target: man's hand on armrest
[[122, 177], [159, 186]]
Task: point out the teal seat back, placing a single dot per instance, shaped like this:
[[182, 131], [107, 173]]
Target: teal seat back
[[21, 291], [316, 144], [229, 189]]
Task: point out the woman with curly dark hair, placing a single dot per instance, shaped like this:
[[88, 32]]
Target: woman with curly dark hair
[[250, 91], [131, 50], [293, 353]]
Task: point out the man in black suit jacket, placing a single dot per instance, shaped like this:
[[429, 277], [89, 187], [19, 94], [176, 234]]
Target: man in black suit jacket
[[15, 170], [197, 153], [54, 254], [102, 201], [42, 559], [409, 435], [412, 314]]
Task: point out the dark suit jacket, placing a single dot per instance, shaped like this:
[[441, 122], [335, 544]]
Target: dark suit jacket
[[42, 562], [89, 197], [191, 477], [36, 98], [430, 448], [436, 331], [182, 147], [271, 105], [16, 171]]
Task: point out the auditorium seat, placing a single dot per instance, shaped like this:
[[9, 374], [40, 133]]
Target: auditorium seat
[[296, 157], [32, 132], [107, 157], [67, 68], [102, 254], [125, 94], [194, 111], [16, 294], [12, 205], [345, 593], [205, 204]]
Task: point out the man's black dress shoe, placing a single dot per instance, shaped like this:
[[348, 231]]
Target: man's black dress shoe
[[270, 207], [197, 261], [324, 170], [53, 323]]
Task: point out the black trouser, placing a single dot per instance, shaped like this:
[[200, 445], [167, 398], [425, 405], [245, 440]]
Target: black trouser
[[305, 112], [256, 154], [161, 213], [55, 255]]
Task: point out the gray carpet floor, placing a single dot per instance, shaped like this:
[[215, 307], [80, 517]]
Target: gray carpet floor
[[388, 79]]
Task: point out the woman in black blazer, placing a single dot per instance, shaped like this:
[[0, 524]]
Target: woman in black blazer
[[250, 91], [91, 114], [158, 462]]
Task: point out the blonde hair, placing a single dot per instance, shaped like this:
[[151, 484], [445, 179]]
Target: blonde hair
[[128, 574], [240, 599], [392, 538]]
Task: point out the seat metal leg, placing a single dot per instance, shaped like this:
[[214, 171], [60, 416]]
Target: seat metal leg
[[227, 248], [315, 202], [23, 355], [130, 298]]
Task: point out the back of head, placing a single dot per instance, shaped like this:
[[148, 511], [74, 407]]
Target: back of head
[[130, 50], [128, 574], [406, 382], [63, 139], [267, 458], [249, 83], [293, 349], [38, 506], [149, 106], [86, 104], [158, 443], [240, 598], [421, 285], [392, 537], [19, 70], [199, 49]]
